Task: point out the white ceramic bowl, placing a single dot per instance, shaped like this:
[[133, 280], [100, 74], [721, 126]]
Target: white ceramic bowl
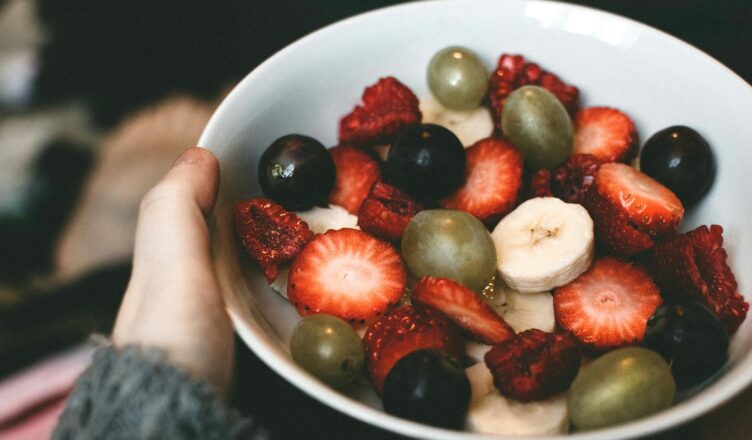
[[308, 86]]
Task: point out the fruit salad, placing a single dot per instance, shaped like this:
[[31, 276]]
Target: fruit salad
[[494, 257]]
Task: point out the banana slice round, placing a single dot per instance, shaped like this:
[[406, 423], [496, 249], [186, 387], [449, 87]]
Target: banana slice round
[[544, 243], [524, 311], [469, 126], [492, 413], [319, 220]]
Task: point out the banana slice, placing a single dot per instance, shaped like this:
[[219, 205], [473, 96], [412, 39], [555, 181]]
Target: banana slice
[[492, 413], [524, 311], [279, 284], [319, 221], [544, 243], [469, 126], [476, 350]]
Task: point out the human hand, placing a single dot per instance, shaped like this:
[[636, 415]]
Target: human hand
[[173, 300]]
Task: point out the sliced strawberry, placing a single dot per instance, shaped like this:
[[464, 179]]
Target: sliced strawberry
[[609, 305], [386, 212], [346, 273], [403, 331], [613, 232], [514, 72], [572, 179], [493, 178], [606, 133], [388, 108], [270, 234], [651, 207], [694, 264], [464, 307], [356, 171], [534, 365]]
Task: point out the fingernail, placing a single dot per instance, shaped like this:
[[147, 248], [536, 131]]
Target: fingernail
[[190, 155]]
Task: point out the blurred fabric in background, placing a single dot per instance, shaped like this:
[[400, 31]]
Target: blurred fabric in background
[[96, 99]]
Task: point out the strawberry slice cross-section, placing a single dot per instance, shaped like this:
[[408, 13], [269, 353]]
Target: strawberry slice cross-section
[[357, 171], [464, 307], [346, 273], [609, 305], [493, 179], [606, 133]]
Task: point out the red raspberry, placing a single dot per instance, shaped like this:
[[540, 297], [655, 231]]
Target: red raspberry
[[388, 108], [540, 184], [534, 365], [513, 72], [386, 212], [694, 264], [571, 180], [270, 234]]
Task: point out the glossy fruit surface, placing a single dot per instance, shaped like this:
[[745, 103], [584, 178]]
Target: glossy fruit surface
[[328, 348], [622, 385], [427, 162], [429, 387], [680, 158], [691, 339], [297, 172], [457, 78], [452, 244], [539, 125]]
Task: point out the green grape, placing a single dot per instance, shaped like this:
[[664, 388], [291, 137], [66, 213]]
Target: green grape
[[620, 386], [329, 348], [539, 125], [457, 78], [450, 244]]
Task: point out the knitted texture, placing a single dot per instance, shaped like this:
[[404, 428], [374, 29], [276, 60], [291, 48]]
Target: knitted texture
[[133, 393]]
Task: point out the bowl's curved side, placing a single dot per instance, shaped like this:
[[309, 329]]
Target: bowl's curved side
[[309, 85]]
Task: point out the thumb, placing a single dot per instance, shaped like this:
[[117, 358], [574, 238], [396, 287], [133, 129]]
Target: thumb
[[171, 225], [173, 300]]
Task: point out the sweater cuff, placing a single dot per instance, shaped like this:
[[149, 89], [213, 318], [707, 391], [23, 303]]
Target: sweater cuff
[[134, 393]]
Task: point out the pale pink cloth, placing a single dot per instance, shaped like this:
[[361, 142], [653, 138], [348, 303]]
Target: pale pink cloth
[[32, 400]]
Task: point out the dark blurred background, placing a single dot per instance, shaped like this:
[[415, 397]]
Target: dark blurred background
[[98, 96]]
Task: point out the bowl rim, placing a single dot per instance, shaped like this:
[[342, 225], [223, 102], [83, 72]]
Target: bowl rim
[[728, 386]]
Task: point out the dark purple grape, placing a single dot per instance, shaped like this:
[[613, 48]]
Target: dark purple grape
[[681, 159], [427, 162], [691, 339], [429, 387], [297, 172]]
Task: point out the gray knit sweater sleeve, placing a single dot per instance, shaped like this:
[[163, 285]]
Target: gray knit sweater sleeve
[[134, 394]]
